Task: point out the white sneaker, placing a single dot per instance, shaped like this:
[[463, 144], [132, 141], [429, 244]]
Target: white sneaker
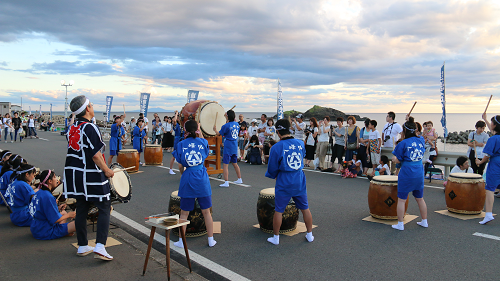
[[224, 185], [179, 244], [239, 181], [171, 172], [84, 250]]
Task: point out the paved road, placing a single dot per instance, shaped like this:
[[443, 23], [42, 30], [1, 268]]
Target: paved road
[[345, 247]]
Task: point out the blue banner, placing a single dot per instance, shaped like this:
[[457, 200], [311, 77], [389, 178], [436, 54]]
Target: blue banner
[[50, 111], [109, 102], [443, 102], [192, 95], [280, 102], [144, 103], [30, 110]]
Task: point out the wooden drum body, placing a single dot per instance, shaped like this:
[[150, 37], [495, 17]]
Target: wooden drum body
[[465, 193], [153, 154], [129, 158], [204, 112], [197, 226], [265, 213], [383, 197]]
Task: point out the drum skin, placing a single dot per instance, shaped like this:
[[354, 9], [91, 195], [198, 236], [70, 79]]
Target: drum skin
[[383, 198], [129, 158], [265, 213], [120, 185], [153, 154], [193, 111], [465, 196], [196, 227]]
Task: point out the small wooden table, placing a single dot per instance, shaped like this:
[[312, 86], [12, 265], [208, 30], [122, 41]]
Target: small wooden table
[[167, 234]]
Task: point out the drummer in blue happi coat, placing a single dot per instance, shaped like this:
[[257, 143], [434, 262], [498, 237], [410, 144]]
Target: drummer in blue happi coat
[[410, 152], [195, 184], [491, 152], [7, 174], [230, 132], [285, 165], [115, 141], [49, 220], [4, 156], [19, 195], [177, 138], [139, 134]]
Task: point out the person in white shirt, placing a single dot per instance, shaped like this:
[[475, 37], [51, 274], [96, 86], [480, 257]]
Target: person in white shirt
[[8, 127], [298, 127], [311, 134], [253, 129], [262, 128], [31, 127], [462, 166], [391, 130], [323, 141], [374, 145]]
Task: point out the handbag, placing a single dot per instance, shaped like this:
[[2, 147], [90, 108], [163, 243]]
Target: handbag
[[352, 145], [22, 133]]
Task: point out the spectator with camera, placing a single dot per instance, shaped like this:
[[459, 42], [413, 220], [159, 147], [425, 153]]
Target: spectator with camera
[[311, 133], [391, 130]]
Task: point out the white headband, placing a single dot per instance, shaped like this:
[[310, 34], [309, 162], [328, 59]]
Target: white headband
[[25, 171], [82, 108]]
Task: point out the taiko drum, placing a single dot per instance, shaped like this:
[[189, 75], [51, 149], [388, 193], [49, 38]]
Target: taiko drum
[[383, 197], [153, 154], [129, 158], [197, 226], [465, 193], [265, 213], [206, 113]]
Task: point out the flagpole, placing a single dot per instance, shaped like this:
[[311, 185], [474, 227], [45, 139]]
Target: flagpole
[[444, 90]]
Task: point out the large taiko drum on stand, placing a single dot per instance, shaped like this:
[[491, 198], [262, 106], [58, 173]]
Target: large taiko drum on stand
[[197, 226], [153, 154], [204, 112], [129, 158], [465, 193], [265, 213], [383, 197]]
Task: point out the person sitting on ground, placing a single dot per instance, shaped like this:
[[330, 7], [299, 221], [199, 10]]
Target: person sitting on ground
[[383, 167], [253, 148], [19, 193], [268, 145], [353, 168], [7, 174], [195, 184], [49, 220]]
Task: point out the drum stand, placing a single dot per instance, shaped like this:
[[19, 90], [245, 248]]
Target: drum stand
[[214, 143]]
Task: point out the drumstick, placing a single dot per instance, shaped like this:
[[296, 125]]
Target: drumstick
[[57, 199], [475, 151], [412, 108], [393, 143], [488, 104], [125, 169], [216, 115], [233, 107]]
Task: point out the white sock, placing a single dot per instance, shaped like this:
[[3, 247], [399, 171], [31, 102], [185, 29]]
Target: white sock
[[179, 243], [211, 241], [399, 226], [171, 172], [239, 181], [98, 247], [423, 223], [84, 249], [309, 236], [487, 218], [225, 184], [275, 239]]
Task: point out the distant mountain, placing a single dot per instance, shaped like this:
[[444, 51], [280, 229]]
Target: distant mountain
[[320, 112], [154, 109]]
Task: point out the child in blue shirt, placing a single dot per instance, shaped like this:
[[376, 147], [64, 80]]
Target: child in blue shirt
[[410, 152], [230, 132], [49, 221], [195, 184], [491, 153], [19, 195], [285, 165], [139, 133]]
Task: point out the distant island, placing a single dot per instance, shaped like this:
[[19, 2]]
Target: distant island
[[320, 112]]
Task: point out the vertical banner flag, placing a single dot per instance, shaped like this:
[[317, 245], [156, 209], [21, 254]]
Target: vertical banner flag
[[40, 110], [443, 102], [30, 110], [192, 95], [109, 102], [144, 103], [280, 102], [50, 111]]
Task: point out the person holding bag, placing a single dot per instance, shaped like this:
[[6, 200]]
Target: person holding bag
[[352, 138]]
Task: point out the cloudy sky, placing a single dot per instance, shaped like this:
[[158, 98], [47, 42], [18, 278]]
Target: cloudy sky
[[358, 56]]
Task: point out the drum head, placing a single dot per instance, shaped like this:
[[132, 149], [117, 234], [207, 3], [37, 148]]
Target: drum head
[[121, 187], [468, 176], [127, 151], [385, 178], [206, 117], [268, 191], [152, 145]]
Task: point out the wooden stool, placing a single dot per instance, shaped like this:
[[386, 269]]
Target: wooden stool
[[167, 234]]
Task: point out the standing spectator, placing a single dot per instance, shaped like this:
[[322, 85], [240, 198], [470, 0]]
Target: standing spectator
[[242, 139], [168, 136], [364, 136], [241, 121], [16, 121], [24, 122], [157, 130], [339, 143], [31, 127], [322, 148], [479, 138], [253, 129], [262, 128], [375, 144], [391, 130], [146, 125], [430, 137], [311, 134], [352, 138], [298, 127], [268, 137], [1, 127], [8, 127]]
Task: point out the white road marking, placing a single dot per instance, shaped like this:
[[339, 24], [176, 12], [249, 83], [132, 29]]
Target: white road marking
[[240, 184], [43, 139], [217, 268], [487, 236]]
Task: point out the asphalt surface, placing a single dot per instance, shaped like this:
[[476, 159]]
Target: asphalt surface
[[345, 247]]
